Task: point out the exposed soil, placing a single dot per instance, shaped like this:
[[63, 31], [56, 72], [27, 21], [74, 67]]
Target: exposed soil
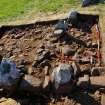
[[22, 42]]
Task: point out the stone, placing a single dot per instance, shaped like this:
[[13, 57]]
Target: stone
[[31, 84], [62, 78], [9, 101], [86, 3], [61, 25], [9, 74], [97, 94], [97, 81], [67, 51], [91, 2], [73, 17], [58, 33]]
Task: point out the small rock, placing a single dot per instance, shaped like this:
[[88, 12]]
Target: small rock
[[86, 3], [67, 51], [58, 33], [73, 17], [61, 25], [97, 95], [9, 101]]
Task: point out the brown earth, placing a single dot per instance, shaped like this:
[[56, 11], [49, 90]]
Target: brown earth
[[18, 42]]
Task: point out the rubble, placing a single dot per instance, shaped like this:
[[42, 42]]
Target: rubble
[[55, 60]]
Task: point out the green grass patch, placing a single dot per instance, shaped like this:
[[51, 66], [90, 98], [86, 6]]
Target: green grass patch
[[11, 9]]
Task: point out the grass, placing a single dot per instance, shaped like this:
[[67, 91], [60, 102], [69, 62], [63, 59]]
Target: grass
[[11, 9]]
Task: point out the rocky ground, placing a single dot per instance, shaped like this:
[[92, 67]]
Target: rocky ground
[[36, 46]]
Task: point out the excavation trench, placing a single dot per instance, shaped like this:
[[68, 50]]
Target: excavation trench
[[23, 41]]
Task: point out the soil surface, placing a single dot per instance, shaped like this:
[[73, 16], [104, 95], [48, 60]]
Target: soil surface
[[23, 43]]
